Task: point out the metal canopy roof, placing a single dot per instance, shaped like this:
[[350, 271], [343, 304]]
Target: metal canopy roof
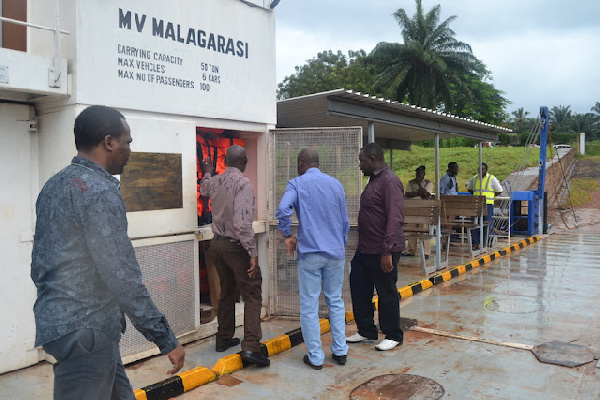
[[397, 123]]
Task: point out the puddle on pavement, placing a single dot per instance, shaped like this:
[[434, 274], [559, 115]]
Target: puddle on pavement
[[512, 305], [228, 380]]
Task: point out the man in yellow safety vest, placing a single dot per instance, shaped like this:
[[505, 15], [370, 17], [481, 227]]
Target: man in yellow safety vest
[[490, 188]]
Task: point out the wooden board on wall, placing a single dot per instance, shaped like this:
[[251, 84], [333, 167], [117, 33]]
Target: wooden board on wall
[[14, 36], [152, 181]]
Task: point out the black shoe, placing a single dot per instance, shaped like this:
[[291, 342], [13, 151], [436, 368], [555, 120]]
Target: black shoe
[[255, 357], [427, 256], [232, 342], [341, 360], [407, 254], [313, 366]]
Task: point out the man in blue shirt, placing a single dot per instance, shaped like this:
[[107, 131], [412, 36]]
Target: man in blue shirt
[[448, 183], [320, 204]]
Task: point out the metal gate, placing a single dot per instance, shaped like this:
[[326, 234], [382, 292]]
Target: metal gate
[[338, 155]]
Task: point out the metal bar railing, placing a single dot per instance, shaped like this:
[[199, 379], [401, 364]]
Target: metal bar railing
[[54, 71], [17, 22]]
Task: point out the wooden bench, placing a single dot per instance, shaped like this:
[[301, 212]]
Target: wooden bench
[[420, 220], [472, 208]]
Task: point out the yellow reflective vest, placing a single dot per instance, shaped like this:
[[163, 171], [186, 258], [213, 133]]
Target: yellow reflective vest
[[486, 191]]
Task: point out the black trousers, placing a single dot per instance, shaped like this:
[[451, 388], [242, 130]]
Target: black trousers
[[232, 262], [366, 275]]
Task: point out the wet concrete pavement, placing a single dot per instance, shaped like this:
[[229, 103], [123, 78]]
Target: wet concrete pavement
[[547, 291]]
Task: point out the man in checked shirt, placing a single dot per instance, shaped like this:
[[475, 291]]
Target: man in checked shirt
[[234, 253]]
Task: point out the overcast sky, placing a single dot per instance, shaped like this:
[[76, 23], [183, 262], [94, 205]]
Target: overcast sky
[[539, 52]]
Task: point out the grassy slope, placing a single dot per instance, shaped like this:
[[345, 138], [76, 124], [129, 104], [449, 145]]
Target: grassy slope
[[582, 188], [501, 161]]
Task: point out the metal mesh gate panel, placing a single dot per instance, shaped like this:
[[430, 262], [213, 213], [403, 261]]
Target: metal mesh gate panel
[[168, 271], [338, 155], [284, 276]]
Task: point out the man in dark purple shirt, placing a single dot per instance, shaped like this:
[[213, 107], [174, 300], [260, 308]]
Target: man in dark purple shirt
[[380, 243]]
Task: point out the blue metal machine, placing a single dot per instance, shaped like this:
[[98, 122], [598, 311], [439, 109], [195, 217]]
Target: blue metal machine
[[527, 208]]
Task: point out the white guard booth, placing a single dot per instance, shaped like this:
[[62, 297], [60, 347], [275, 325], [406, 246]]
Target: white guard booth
[[170, 68]]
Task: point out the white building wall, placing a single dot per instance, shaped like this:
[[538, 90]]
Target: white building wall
[[162, 116], [17, 197]]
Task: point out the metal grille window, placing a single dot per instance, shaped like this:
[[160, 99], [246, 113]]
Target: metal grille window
[[168, 271]]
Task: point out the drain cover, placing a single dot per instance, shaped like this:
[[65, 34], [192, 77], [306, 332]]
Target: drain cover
[[560, 353], [398, 387], [513, 305]]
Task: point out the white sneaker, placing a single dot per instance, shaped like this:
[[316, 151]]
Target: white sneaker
[[386, 344], [357, 338]]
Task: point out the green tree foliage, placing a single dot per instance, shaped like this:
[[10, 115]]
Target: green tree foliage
[[519, 119], [430, 69], [583, 123], [329, 71], [560, 119], [424, 68], [484, 102], [596, 121]]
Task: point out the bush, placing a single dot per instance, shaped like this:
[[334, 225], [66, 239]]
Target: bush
[[562, 138], [592, 148], [449, 143]]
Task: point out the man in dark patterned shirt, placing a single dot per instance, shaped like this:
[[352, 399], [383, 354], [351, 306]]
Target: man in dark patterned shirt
[[84, 267], [380, 243], [233, 251]]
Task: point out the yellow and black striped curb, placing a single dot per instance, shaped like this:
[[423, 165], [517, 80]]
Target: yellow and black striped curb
[[417, 287], [188, 380], [461, 269]]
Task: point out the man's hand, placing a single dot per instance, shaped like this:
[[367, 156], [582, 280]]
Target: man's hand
[[206, 166], [254, 268], [177, 357], [386, 263], [291, 243]]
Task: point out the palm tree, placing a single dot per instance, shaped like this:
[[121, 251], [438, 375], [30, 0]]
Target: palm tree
[[560, 119], [429, 65], [585, 123], [520, 116], [596, 121]]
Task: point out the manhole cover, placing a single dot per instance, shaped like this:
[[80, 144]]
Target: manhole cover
[[560, 353], [513, 305], [398, 387]]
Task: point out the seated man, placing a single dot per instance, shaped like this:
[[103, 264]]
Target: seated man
[[419, 188]]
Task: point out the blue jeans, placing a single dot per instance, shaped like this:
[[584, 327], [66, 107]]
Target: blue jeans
[[314, 272]]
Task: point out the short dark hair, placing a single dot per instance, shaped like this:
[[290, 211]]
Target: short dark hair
[[94, 123], [373, 150], [484, 165], [308, 156], [452, 164]]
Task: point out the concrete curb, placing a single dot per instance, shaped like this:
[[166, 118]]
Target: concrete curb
[[188, 380]]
